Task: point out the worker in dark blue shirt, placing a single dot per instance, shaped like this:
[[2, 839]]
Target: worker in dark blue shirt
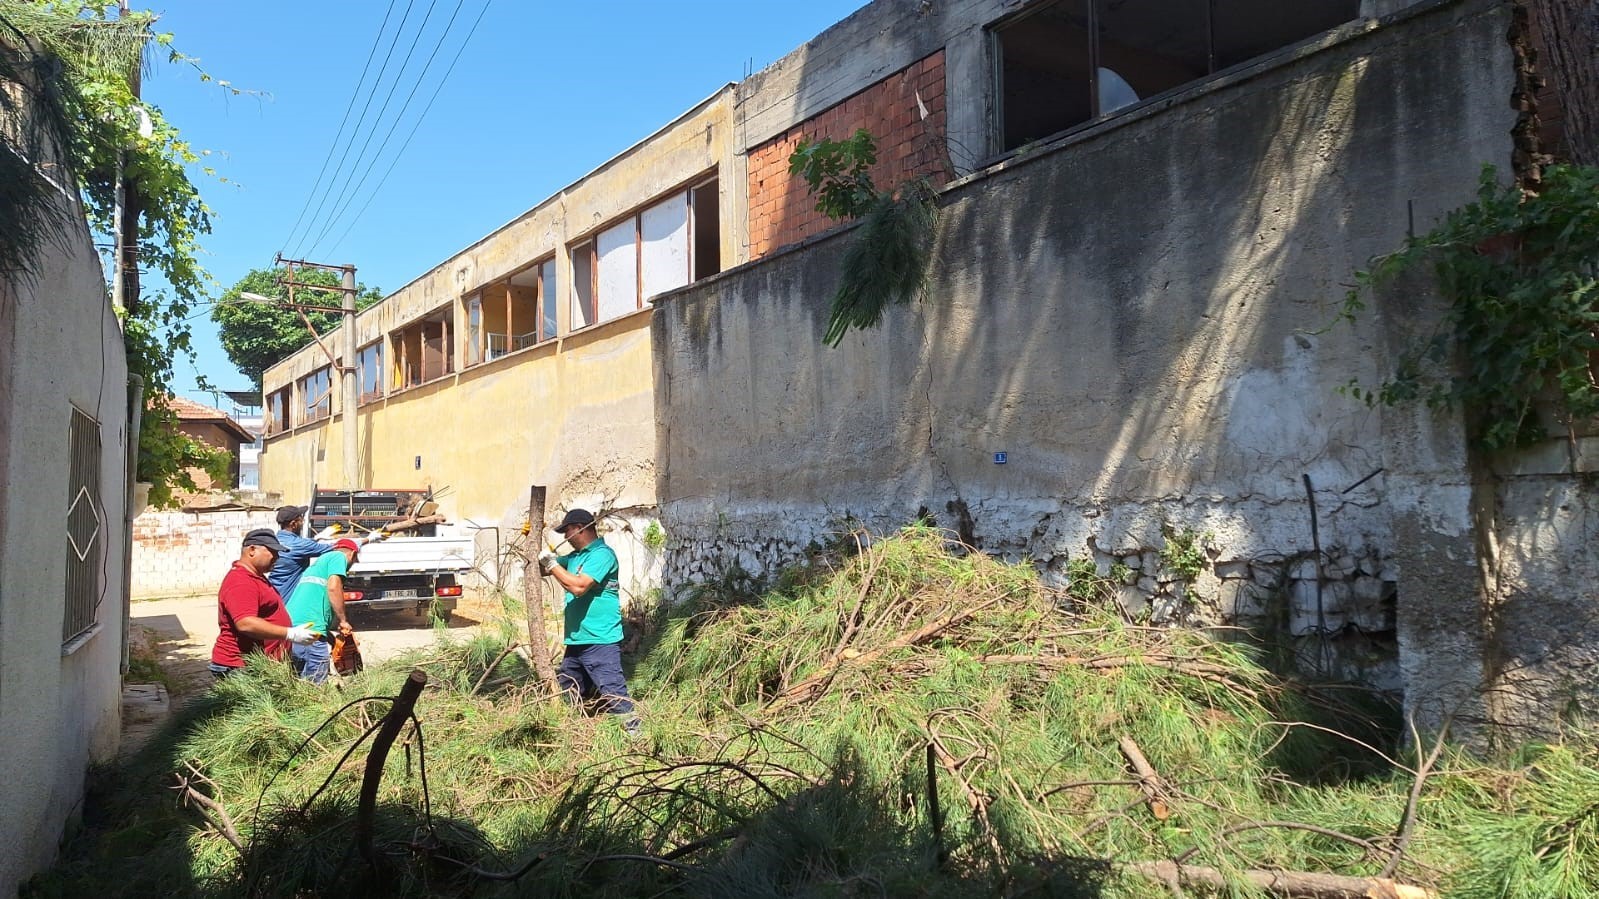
[[297, 551]]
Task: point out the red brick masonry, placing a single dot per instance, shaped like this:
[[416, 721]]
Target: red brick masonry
[[782, 212]]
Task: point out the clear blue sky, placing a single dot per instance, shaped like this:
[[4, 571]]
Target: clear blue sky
[[543, 93]]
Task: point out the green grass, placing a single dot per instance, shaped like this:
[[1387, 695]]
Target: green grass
[[749, 784]]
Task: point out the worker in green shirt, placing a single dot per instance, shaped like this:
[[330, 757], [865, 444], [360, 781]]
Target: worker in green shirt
[[593, 621], [318, 602]]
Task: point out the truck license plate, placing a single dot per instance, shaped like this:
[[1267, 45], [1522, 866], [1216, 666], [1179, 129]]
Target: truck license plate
[[399, 594]]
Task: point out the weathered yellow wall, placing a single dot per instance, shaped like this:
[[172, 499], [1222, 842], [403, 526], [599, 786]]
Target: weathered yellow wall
[[575, 415]]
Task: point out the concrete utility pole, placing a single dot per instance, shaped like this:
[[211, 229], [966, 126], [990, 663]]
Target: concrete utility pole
[[352, 470], [350, 391]]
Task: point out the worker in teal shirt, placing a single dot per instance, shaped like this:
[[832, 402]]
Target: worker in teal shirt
[[318, 603], [592, 633]]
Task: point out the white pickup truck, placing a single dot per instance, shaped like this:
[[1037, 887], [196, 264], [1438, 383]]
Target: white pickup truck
[[419, 568]]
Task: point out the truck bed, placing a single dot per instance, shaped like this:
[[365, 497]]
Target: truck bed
[[415, 554]]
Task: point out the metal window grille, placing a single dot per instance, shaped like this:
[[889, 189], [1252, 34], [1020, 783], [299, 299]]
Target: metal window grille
[[85, 527]]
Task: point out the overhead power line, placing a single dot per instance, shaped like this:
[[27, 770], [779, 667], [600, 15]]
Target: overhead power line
[[347, 197], [415, 126], [366, 67], [360, 120]]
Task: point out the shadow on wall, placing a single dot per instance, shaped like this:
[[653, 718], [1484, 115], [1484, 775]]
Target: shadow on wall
[[1139, 318]]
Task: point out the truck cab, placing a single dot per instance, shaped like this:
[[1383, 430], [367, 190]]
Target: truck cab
[[418, 568]]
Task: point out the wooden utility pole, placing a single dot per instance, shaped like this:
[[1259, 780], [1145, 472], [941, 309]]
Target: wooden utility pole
[[538, 633], [125, 209]]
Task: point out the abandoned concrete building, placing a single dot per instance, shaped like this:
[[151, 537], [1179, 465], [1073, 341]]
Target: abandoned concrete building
[[1150, 209]]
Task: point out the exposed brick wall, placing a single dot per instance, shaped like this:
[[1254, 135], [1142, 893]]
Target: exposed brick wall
[[780, 210], [185, 553]]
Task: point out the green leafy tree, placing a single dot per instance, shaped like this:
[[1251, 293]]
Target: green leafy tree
[[77, 60], [257, 336]]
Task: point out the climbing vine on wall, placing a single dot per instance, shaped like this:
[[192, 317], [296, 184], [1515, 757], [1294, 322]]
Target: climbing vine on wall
[[1520, 275], [888, 262], [87, 57]]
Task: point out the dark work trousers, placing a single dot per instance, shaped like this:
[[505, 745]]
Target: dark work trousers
[[595, 668]]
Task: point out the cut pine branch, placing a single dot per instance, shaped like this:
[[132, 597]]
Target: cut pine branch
[[1149, 780], [1298, 884]]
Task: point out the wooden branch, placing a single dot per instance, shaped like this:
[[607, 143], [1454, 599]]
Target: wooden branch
[[222, 822], [1148, 779], [1407, 821], [388, 730], [1299, 884], [409, 524], [812, 686], [495, 664], [934, 813], [973, 798]]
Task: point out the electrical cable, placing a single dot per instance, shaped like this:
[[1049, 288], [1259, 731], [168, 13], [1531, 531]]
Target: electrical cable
[[343, 194], [359, 121], [339, 212], [366, 67], [378, 188]]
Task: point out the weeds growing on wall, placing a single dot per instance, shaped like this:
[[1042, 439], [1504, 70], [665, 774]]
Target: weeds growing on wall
[[901, 721], [887, 264], [1520, 273]]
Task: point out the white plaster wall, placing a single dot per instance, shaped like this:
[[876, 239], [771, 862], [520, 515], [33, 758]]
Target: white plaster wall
[[60, 346]]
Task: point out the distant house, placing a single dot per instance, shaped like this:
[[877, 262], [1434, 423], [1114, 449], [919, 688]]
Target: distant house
[[214, 428]]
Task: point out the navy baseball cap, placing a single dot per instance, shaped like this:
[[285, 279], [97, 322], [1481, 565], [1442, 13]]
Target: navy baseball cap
[[263, 537]]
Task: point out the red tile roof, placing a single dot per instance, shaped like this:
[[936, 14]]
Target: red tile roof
[[189, 410]]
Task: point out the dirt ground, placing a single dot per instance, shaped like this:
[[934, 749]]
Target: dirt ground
[[176, 634]]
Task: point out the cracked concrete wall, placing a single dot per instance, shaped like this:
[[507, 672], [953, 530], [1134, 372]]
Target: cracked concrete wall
[[1139, 319]]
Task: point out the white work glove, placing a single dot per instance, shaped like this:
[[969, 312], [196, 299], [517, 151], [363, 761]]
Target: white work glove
[[374, 537], [546, 561], [300, 635]]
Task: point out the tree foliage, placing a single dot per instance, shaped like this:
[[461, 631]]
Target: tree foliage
[[88, 57], [1521, 276], [889, 260], [257, 336]]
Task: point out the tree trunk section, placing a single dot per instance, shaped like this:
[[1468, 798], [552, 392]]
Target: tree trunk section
[[538, 631], [1566, 34]]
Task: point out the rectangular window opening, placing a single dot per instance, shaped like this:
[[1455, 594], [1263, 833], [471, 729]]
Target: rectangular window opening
[[705, 203], [316, 395], [369, 371], [524, 312], [1062, 63], [277, 411], [423, 349], [86, 526], [583, 268]]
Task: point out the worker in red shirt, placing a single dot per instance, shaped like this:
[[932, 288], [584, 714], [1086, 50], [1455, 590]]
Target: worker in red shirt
[[250, 614]]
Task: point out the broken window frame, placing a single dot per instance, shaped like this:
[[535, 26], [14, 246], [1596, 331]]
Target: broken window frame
[[440, 319], [276, 411], [369, 359], [316, 395], [1095, 14]]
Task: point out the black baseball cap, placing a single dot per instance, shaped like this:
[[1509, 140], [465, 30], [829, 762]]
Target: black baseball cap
[[287, 514], [263, 537], [575, 518]]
